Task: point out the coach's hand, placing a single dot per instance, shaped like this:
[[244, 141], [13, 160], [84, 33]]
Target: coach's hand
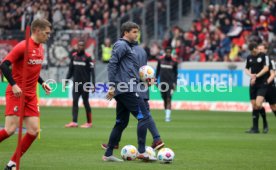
[[46, 88], [110, 93], [253, 76], [16, 90]]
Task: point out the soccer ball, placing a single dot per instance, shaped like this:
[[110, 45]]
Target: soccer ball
[[146, 72], [150, 151], [129, 152], [165, 155]]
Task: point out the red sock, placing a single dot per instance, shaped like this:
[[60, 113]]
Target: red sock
[[89, 117], [3, 135], [25, 144]]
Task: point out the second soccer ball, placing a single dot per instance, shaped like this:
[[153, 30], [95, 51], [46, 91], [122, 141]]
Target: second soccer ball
[[129, 152], [146, 72]]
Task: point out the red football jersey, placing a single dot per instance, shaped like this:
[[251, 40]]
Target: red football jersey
[[35, 59]]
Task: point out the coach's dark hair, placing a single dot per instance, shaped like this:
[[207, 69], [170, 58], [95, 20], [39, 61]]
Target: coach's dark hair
[[128, 26], [40, 23], [252, 45]]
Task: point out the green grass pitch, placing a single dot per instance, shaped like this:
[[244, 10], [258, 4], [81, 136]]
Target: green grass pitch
[[200, 140]]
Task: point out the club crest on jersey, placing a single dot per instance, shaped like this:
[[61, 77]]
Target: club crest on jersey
[[259, 59], [15, 109]]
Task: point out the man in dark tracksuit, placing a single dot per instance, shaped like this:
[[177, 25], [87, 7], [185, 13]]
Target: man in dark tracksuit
[[81, 68], [123, 68], [144, 94], [257, 67], [271, 91], [167, 70]]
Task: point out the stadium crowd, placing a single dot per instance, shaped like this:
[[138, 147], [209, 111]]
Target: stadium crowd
[[71, 14], [222, 32]]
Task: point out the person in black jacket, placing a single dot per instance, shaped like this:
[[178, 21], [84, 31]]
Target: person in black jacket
[[167, 72], [123, 68], [143, 92], [81, 68], [257, 67]]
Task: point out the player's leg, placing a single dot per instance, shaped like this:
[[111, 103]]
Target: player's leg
[[31, 120], [157, 142], [85, 99], [138, 109], [122, 119], [11, 119], [75, 109], [259, 107], [169, 105], [255, 118], [120, 108], [261, 93], [163, 95], [255, 111], [32, 126], [11, 123], [265, 123]]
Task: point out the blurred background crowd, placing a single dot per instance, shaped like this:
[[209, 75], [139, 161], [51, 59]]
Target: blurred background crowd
[[218, 32]]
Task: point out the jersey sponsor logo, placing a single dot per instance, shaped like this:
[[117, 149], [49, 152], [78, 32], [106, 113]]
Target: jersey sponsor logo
[[166, 66], [35, 61], [250, 60], [259, 59], [80, 63]]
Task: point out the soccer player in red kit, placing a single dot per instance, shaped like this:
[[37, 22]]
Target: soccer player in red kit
[[40, 29]]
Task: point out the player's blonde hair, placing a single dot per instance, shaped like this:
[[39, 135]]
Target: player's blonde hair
[[40, 23]]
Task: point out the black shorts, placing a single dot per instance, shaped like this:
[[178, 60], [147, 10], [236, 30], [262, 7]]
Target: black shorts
[[130, 103], [271, 95], [258, 90], [166, 91]]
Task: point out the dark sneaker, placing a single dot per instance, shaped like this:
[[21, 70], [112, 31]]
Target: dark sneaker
[[265, 130], [105, 146], [157, 145], [13, 167], [252, 131]]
